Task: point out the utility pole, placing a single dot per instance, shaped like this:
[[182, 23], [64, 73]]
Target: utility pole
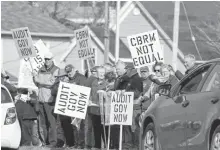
[[106, 36], [117, 38], [175, 34]]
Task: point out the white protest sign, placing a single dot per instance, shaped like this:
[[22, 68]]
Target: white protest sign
[[72, 100], [23, 42], [25, 78], [121, 108], [145, 49], [83, 43]]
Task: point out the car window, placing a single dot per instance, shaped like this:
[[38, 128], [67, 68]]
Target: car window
[[191, 84], [213, 82], [5, 97]]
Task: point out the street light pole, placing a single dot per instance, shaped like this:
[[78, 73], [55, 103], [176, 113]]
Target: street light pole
[[175, 34], [106, 36], [117, 38]]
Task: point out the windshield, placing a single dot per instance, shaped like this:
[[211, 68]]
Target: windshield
[[5, 97]]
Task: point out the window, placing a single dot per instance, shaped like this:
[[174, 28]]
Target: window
[[191, 84], [213, 83], [5, 97]]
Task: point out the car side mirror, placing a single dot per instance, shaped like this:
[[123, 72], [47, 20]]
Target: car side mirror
[[164, 89]]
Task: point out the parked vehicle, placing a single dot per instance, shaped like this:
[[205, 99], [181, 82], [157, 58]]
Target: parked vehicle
[[186, 117], [10, 128]]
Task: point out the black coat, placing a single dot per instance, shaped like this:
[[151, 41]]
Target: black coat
[[130, 82]]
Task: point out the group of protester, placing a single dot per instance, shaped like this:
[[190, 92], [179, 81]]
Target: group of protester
[[41, 127]]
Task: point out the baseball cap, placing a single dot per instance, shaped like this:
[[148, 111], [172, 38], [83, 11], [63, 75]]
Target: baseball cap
[[61, 73], [69, 68], [48, 55], [144, 69]]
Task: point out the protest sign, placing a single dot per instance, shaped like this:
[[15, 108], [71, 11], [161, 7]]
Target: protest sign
[[25, 78], [121, 108], [23, 42], [105, 107], [83, 43], [145, 49], [72, 100]]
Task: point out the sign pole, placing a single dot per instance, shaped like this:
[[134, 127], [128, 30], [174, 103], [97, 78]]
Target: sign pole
[[109, 136], [103, 108], [120, 139], [31, 66]]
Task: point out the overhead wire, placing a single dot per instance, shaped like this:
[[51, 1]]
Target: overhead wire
[[191, 32]]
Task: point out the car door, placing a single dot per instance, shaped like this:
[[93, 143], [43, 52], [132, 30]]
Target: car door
[[201, 109], [170, 117], [174, 119]]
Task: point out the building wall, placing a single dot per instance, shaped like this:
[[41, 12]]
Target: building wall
[[11, 61], [73, 57], [134, 24]]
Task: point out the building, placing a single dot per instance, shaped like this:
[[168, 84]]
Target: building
[[21, 14]]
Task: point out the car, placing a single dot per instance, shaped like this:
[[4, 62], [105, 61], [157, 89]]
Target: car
[[10, 128], [186, 116]]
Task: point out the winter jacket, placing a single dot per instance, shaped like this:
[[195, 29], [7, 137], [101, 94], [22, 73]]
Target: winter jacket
[[96, 86], [25, 111], [130, 82], [179, 75], [45, 81], [10, 87], [88, 82], [78, 79]]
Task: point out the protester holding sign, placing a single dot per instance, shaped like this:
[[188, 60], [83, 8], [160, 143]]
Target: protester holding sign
[[98, 84], [128, 80], [45, 80], [75, 77]]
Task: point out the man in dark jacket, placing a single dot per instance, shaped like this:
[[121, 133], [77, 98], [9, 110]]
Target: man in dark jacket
[[189, 63], [26, 117], [78, 136], [128, 81]]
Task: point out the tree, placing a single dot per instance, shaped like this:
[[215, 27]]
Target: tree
[[209, 31]]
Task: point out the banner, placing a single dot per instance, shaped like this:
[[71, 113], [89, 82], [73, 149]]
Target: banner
[[25, 78], [105, 107], [145, 49], [72, 100], [83, 43], [23, 42], [121, 108]]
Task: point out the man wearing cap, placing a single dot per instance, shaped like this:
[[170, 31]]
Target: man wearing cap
[[128, 80], [76, 78], [45, 80]]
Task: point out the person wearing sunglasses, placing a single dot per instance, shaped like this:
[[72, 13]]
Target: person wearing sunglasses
[[45, 80]]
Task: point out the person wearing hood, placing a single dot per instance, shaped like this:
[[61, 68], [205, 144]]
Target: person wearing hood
[[45, 80], [128, 80]]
